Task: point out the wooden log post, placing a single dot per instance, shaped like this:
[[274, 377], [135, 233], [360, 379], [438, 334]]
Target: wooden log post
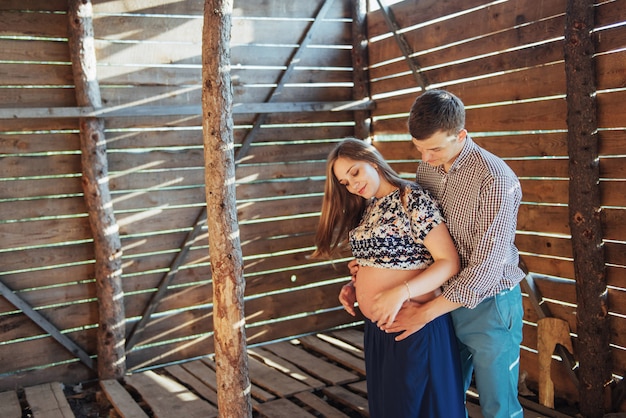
[[95, 182], [593, 350], [360, 63], [233, 381]]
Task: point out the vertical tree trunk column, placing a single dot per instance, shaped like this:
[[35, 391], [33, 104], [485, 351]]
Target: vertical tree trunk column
[[95, 181], [585, 210], [233, 382]]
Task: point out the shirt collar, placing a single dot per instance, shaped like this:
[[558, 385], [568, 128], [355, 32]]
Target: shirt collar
[[464, 155]]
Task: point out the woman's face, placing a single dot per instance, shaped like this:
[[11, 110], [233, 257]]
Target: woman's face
[[359, 177]]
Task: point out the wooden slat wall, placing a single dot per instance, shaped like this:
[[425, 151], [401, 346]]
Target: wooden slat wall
[[505, 60], [46, 254], [149, 54]]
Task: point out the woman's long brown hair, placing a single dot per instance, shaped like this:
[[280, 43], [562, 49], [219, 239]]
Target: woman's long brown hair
[[342, 210]]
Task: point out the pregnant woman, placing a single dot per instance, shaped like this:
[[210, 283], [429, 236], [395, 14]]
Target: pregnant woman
[[400, 241]]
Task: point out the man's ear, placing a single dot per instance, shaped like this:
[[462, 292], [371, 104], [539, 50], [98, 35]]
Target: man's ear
[[462, 135]]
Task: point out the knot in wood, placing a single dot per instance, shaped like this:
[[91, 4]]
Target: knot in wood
[[578, 218]]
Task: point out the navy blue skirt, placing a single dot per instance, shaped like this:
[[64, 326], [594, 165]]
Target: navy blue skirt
[[418, 377]]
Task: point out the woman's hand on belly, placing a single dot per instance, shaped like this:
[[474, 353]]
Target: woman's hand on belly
[[386, 305], [381, 292]]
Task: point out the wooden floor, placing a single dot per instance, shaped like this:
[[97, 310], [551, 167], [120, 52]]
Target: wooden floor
[[314, 376]]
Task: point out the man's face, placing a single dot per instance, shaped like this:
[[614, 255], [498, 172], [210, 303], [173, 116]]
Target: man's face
[[440, 148]]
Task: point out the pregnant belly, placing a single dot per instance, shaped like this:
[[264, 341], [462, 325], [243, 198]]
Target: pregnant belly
[[370, 281]]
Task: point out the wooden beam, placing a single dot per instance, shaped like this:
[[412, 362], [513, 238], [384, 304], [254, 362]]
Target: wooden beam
[[231, 359], [585, 210], [95, 182], [46, 325], [131, 111], [407, 51]]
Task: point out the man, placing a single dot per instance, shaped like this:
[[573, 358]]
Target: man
[[480, 197]]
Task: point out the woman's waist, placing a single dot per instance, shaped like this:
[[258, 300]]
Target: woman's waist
[[370, 281]]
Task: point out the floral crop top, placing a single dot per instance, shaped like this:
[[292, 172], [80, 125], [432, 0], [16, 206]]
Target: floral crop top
[[391, 235]]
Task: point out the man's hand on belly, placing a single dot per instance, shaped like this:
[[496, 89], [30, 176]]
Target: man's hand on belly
[[347, 297]]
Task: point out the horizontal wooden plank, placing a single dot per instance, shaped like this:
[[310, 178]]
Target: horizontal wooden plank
[[445, 72], [544, 245], [42, 96], [38, 125], [41, 165], [552, 219], [46, 351], [28, 74], [34, 51], [69, 373], [298, 326], [286, 366], [514, 86], [35, 5], [490, 30], [550, 266], [543, 115], [163, 395], [347, 398], [610, 39], [10, 405], [204, 369], [608, 118], [611, 142], [312, 364], [615, 253], [135, 111], [409, 13], [545, 191], [610, 70], [48, 401], [332, 352], [44, 208], [609, 13], [165, 29], [201, 346], [199, 387], [44, 232], [121, 400], [273, 380], [38, 142], [253, 8], [614, 224], [47, 25], [320, 405], [281, 408]]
